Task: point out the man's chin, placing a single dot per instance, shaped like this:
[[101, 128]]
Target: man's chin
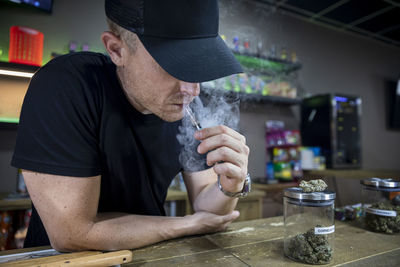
[[172, 117]]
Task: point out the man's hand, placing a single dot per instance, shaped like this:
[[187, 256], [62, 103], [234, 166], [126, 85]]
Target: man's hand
[[205, 222], [227, 152]]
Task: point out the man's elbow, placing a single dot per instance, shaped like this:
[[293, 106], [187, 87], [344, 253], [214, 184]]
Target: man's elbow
[[80, 242], [70, 241], [67, 236], [66, 244]]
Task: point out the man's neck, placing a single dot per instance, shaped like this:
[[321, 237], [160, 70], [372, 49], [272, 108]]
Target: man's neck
[[130, 98]]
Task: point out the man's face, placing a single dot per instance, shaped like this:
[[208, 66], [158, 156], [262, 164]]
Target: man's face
[[150, 89]]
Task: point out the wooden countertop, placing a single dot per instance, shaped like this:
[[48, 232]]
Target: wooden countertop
[[358, 174], [260, 243]]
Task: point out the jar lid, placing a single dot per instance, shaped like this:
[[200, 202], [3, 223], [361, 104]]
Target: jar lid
[[378, 182], [297, 193]]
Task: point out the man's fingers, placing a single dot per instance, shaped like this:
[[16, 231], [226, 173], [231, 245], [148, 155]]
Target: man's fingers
[[216, 130], [209, 222], [225, 154], [230, 170], [228, 219], [220, 140], [231, 216], [235, 214]]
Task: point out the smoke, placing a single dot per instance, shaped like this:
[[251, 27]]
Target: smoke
[[212, 109]]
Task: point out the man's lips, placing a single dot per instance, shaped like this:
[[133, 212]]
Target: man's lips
[[185, 101], [182, 104], [178, 106]]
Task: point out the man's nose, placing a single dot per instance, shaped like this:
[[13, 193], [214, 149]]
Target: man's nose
[[192, 89]]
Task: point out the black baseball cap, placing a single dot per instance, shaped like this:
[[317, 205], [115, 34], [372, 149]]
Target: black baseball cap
[[181, 35]]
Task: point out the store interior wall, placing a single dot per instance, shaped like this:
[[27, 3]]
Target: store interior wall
[[332, 61]]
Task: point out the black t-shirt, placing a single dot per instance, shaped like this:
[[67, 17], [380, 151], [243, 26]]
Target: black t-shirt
[[77, 121]]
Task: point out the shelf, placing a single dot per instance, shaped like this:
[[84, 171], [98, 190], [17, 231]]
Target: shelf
[[263, 80], [271, 188], [254, 98], [13, 202], [21, 70], [351, 173], [14, 70], [8, 125], [284, 146], [18, 67], [9, 120], [264, 65], [269, 99]]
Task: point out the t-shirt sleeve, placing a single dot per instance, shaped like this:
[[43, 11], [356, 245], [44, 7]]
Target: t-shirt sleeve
[[58, 129]]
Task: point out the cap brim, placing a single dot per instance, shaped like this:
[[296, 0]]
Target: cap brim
[[193, 60]]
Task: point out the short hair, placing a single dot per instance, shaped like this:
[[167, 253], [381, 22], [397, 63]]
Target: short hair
[[128, 37]]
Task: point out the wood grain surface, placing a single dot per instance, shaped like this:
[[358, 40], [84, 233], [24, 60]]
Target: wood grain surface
[[260, 243]]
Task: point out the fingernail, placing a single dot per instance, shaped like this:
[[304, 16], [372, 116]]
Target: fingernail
[[197, 135]]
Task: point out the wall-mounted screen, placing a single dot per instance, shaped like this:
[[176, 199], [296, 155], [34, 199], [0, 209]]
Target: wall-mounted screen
[[45, 5], [393, 104]]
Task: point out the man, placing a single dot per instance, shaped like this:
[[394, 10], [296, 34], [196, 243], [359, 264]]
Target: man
[[97, 135]]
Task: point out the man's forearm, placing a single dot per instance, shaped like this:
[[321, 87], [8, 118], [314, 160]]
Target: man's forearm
[[211, 199], [112, 231]]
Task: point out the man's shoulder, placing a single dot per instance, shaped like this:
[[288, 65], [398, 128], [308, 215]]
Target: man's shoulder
[[80, 60], [81, 73], [75, 68]]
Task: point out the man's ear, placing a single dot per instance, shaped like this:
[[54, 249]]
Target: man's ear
[[114, 46]]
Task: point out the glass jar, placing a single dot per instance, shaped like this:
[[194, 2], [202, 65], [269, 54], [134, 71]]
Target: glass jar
[[381, 205], [309, 225]]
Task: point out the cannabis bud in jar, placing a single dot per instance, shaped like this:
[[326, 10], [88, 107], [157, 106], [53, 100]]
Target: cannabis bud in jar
[[387, 220], [302, 210], [310, 247], [380, 205]]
